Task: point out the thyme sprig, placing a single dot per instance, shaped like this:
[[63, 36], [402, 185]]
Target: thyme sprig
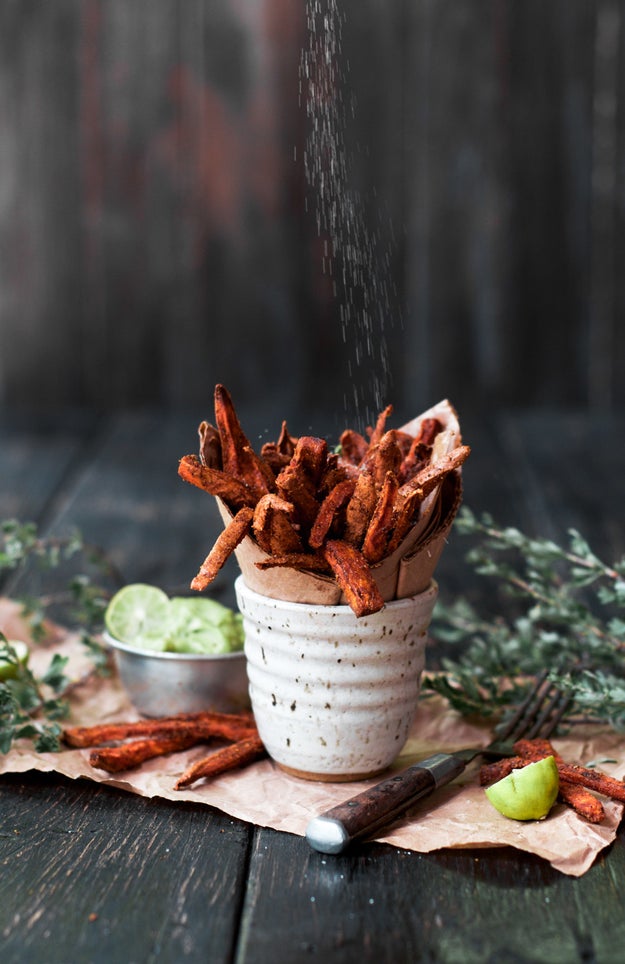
[[567, 613], [33, 706]]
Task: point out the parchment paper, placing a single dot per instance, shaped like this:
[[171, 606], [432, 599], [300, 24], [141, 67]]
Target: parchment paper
[[457, 816]]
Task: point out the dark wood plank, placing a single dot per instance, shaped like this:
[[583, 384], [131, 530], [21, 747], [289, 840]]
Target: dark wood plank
[[38, 451], [91, 874], [382, 904]]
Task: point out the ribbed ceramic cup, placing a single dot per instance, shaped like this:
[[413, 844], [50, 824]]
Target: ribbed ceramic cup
[[334, 696]]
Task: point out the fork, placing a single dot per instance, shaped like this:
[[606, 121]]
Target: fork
[[363, 815]]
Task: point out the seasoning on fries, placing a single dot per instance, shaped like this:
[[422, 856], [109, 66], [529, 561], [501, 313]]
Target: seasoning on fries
[[228, 758], [147, 739], [339, 513]]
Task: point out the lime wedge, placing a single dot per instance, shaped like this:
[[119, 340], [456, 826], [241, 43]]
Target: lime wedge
[[138, 610], [208, 640], [202, 625], [198, 610], [9, 668], [528, 793]]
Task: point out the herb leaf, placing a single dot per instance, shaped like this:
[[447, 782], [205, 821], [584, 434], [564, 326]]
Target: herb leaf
[[569, 615]]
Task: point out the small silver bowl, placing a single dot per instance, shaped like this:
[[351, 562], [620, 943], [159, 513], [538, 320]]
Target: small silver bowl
[[165, 684]]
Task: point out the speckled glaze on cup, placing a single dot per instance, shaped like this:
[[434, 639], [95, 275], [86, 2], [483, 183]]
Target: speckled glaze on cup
[[334, 696]]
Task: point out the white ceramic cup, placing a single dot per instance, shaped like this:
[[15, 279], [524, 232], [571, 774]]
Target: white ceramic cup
[[334, 695]]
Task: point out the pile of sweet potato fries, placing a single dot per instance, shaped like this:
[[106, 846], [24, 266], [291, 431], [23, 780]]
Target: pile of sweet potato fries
[[333, 512], [141, 740], [576, 782]]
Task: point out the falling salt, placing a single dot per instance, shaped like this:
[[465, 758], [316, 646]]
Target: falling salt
[[365, 290]]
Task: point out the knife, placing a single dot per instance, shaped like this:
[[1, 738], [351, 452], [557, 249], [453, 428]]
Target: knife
[[361, 816]]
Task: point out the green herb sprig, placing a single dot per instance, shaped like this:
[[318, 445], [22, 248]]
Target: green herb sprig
[[569, 616], [32, 706]]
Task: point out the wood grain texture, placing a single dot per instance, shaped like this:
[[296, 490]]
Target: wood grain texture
[[115, 877], [159, 235], [381, 904]]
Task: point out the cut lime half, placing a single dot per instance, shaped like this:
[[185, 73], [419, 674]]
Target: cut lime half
[[138, 610], [8, 668], [528, 793]]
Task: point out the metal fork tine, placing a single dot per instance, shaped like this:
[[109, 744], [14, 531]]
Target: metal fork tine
[[516, 724], [539, 713], [551, 715]]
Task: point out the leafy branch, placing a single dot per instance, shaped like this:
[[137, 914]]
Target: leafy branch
[[32, 706], [569, 615]]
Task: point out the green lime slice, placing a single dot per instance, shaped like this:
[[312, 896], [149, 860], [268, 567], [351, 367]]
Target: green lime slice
[[154, 644], [198, 610], [207, 640], [202, 625], [528, 793], [138, 610], [8, 668]]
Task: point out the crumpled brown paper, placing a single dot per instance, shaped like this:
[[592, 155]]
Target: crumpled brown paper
[[456, 816]]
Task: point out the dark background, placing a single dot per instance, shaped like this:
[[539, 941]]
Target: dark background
[[158, 233]]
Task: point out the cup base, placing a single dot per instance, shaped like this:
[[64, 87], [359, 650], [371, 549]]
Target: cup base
[[330, 777]]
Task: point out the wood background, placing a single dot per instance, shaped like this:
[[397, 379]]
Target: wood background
[[157, 233]]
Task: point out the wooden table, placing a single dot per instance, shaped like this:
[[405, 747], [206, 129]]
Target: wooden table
[[92, 874]]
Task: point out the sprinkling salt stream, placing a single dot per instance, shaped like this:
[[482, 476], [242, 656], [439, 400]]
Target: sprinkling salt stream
[[353, 252]]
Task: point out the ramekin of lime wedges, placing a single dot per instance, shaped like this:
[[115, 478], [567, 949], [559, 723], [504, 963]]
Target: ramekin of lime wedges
[[176, 654]]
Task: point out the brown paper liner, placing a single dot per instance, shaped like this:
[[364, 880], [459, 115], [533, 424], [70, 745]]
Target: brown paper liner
[[407, 571]]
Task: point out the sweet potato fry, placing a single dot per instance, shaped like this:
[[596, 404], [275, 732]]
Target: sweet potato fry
[[298, 482], [286, 443], [295, 560], [279, 454], [593, 780], [420, 449], [228, 758], [337, 470], [381, 526], [353, 576], [116, 759], [376, 433], [353, 446], [387, 457], [329, 511], [223, 726], [237, 455], [498, 769], [274, 459], [536, 749], [233, 492], [273, 527], [429, 477], [360, 509], [405, 515], [582, 801], [224, 546], [210, 445], [310, 456]]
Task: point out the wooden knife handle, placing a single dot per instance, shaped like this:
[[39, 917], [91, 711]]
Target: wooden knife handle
[[331, 832]]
